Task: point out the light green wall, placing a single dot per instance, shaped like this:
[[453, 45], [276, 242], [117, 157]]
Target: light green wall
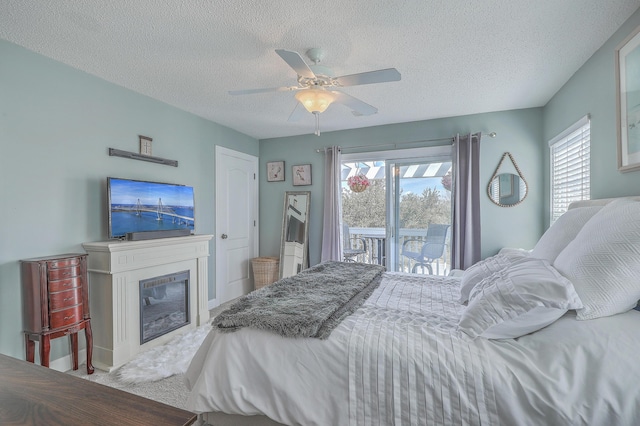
[[592, 90], [56, 125], [524, 133], [519, 132]]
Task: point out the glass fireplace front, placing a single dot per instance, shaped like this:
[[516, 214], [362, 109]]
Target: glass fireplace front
[[164, 305]]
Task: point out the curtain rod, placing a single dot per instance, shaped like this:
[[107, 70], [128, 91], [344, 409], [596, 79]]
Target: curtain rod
[[490, 134]]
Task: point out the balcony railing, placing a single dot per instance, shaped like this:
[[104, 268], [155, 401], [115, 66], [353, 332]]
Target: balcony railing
[[375, 240]]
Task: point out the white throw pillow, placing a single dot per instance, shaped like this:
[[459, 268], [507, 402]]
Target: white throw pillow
[[562, 232], [603, 261], [526, 296], [486, 268]]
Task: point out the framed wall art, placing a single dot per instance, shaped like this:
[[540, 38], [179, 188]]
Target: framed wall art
[[627, 56], [275, 171], [301, 174], [145, 145]]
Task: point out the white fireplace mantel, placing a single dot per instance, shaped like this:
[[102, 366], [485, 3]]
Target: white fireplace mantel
[[115, 270]]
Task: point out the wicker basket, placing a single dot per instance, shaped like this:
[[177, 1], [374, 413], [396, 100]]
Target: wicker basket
[[358, 188], [265, 271]]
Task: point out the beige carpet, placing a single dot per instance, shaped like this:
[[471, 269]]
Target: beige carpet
[[171, 391]]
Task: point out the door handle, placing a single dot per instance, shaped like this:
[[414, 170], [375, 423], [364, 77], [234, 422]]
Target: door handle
[[224, 236]]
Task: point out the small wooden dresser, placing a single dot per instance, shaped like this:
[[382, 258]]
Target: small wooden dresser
[[56, 303]]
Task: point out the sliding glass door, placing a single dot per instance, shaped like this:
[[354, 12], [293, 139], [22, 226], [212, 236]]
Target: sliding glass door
[[403, 218]]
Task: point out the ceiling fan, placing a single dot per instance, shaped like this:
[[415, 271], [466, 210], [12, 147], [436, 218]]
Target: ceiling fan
[[317, 88]]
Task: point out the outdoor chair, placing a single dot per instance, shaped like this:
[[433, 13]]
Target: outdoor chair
[[433, 247], [349, 250]]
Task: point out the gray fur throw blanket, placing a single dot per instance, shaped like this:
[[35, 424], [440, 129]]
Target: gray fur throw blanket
[[309, 304]]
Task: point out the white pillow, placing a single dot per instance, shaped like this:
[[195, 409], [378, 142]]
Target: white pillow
[[603, 261], [527, 296], [486, 268], [562, 232]]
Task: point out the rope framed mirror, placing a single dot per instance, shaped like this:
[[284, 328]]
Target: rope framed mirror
[[507, 189]]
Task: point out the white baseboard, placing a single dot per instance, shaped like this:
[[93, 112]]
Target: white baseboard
[[65, 363], [213, 303]]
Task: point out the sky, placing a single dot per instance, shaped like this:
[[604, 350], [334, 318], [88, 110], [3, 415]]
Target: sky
[[123, 191]]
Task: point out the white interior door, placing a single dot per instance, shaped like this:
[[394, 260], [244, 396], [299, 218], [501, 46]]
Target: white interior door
[[236, 222]]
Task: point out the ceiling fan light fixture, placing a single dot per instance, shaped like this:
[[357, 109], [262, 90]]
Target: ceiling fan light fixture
[[315, 100]]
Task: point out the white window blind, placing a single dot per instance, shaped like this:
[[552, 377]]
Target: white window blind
[[570, 167]]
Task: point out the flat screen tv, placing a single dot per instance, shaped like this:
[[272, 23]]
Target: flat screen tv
[[138, 206]]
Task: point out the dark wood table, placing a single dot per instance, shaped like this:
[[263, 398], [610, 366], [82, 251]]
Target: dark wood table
[[34, 395]]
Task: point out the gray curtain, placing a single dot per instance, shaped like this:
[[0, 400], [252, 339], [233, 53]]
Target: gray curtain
[[465, 235], [332, 215]]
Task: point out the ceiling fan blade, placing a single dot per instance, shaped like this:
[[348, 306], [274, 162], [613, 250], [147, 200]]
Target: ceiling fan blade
[[297, 112], [266, 90], [379, 76], [296, 62], [359, 107]]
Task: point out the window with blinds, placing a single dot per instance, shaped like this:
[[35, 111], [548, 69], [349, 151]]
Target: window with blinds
[[570, 167]]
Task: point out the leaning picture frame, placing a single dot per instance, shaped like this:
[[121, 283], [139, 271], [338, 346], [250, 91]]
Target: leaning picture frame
[[301, 174], [627, 58]]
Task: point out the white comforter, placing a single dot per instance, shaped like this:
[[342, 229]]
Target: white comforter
[[400, 360]]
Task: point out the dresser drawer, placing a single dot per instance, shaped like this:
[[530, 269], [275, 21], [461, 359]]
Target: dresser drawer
[[65, 299], [62, 285], [66, 317], [59, 274], [63, 263]]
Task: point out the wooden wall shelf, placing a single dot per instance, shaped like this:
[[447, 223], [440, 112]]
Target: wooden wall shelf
[[135, 156]]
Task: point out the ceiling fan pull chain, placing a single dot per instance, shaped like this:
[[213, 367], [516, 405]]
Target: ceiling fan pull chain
[[317, 123]]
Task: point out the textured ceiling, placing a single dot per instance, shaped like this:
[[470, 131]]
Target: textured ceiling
[[456, 57]]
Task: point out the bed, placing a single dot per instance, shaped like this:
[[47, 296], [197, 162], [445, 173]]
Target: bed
[[545, 336]]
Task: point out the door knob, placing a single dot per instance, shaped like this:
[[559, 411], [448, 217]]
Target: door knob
[[224, 236]]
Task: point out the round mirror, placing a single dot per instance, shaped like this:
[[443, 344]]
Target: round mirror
[[507, 189]]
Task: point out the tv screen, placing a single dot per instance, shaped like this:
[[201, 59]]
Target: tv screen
[[137, 206]]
